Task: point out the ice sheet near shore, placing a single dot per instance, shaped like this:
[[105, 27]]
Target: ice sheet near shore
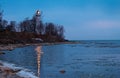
[[23, 73]]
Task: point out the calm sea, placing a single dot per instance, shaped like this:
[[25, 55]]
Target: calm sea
[[89, 59]]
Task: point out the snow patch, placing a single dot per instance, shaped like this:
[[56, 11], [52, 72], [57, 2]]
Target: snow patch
[[23, 73]]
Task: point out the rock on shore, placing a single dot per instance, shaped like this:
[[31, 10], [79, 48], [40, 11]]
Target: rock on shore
[[6, 72]]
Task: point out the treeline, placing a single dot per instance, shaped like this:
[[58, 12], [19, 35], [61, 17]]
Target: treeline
[[48, 32]]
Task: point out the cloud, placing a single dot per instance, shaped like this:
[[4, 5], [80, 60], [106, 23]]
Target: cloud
[[104, 23]]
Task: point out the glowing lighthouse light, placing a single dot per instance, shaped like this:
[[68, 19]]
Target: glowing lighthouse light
[[38, 12]]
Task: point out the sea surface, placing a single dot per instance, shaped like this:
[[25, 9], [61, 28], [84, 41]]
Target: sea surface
[[88, 59]]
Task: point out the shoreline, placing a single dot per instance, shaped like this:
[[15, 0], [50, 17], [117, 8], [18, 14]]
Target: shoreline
[[13, 46], [8, 70]]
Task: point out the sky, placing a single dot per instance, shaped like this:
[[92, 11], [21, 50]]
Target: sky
[[82, 19]]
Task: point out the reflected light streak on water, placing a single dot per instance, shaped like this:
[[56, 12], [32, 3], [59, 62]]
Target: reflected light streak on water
[[38, 50]]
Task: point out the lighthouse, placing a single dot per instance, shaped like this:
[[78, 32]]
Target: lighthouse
[[37, 18]]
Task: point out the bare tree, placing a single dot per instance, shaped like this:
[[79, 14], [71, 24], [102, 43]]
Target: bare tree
[[49, 30], [11, 27], [54, 32], [41, 28], [1, 20], [5, 23], [60, 32]]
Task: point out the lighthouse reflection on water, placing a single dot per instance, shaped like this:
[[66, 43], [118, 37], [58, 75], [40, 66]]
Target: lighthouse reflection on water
[[38, 52]]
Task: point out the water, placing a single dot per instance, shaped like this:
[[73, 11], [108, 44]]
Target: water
[[89, 59]]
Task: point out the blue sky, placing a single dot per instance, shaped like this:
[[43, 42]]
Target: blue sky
[[82, 19]]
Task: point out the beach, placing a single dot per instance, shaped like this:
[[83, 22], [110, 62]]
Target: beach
[[6, 72]]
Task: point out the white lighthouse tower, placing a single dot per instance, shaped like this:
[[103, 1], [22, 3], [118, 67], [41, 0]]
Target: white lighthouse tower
[[37, 17]]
